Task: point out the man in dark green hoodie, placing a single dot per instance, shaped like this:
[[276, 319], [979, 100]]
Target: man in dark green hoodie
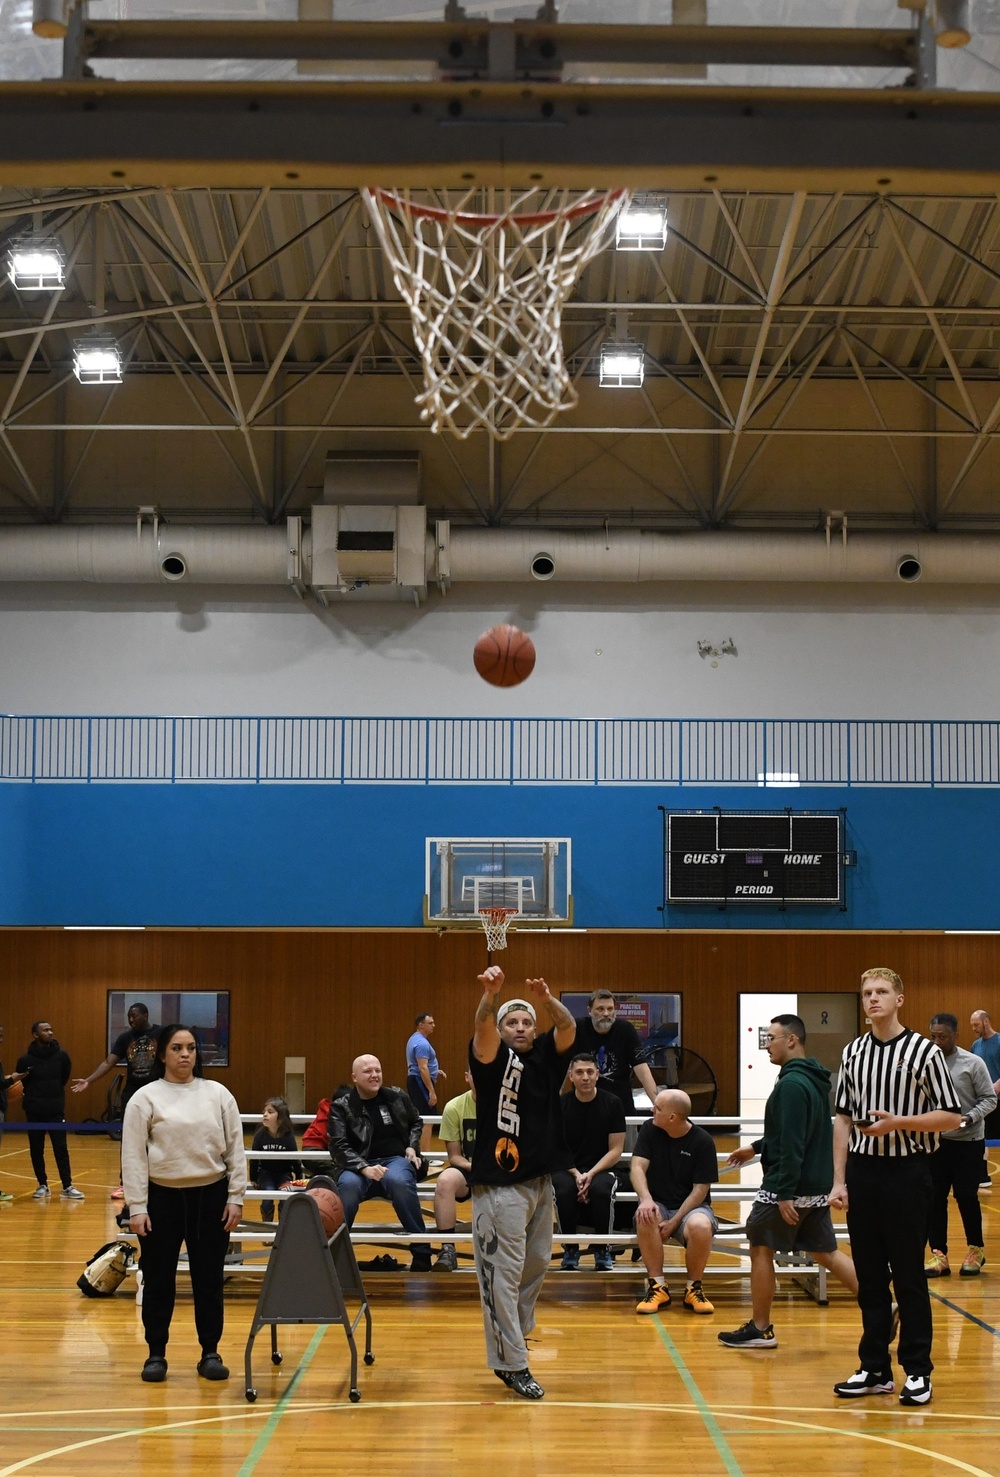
[[791, 1211]]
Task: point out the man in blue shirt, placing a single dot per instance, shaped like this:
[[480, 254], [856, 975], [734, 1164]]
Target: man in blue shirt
[[422, 1071], [987, 1045]]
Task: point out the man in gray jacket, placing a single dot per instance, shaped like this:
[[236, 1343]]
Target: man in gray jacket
[[957, 1162]]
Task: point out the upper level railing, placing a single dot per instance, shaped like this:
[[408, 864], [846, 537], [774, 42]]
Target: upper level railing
[[770, 753]]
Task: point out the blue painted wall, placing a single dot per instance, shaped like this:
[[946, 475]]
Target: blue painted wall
[[353, 856]]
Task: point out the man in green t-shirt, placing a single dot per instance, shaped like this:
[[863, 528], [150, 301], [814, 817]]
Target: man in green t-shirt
[[458, 1134]]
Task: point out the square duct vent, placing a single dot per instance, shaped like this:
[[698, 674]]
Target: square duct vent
[[366, 555]]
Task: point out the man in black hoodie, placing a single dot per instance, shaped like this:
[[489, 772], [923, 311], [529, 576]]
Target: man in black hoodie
[[791, 1211], [5, 1083], [48, 1068]]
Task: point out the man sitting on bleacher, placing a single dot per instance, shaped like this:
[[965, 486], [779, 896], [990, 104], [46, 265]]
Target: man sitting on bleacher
[[673, 1167], [374, 1144], [594, 1125]]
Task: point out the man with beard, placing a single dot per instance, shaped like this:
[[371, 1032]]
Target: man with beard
[[517, 1075], [48, 1068], [616, 1048], [136, 1047]]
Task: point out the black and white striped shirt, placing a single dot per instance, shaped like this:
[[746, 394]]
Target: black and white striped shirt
[[904, 1076]]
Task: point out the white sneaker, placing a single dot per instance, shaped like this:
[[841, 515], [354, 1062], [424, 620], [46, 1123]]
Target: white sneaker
[[72, 1193], [42, 1193], [916, 1391]]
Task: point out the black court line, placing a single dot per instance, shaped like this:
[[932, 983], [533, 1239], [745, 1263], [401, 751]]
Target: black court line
[[966, 1314]]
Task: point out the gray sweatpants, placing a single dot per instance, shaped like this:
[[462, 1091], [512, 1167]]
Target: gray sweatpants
[[512, 1241]]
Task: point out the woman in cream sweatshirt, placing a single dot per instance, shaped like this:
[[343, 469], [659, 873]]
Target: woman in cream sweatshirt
[[184, 1171]]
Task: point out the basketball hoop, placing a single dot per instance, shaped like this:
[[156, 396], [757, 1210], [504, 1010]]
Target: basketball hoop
[[495, 923], [486, 294]]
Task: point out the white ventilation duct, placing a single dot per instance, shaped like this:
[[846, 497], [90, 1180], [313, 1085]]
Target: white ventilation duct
[[221, 555]]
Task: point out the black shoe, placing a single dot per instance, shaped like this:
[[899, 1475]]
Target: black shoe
[[211, 1367], [421, 1261], [749, 1336], [154, 1371], [916, 1390], [522, 1382], [866, 1382]]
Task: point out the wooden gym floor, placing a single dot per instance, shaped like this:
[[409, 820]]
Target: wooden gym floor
[[625, 1394]]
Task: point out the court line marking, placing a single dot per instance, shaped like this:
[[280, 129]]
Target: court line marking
[[263, 1440], [956, 1308], [610, 1405], [711, 1425]]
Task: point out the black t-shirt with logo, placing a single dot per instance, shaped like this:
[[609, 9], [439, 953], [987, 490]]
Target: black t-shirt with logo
[[387, 1141], [616, 1053], [587, 1126], [677, 1165], [137, 1049], [518, 1117]]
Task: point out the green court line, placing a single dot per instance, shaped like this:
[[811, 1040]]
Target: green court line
[[712, 1426], [260, 1445]]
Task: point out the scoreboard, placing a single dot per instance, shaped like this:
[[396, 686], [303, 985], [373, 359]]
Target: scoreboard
[[755, 856]]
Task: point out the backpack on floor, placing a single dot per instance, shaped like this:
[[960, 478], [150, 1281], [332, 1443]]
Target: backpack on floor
[[107, 1270]]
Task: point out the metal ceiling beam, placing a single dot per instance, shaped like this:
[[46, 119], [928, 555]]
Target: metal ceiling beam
[[346, 135]]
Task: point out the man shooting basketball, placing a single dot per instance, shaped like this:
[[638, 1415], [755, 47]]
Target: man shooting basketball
[[517, 1076]]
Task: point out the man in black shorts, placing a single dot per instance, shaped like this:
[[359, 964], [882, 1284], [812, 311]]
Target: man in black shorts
[[673, 1167], [791, 1211]]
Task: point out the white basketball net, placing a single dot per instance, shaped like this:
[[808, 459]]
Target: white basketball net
[[486, 294], [495, 922]]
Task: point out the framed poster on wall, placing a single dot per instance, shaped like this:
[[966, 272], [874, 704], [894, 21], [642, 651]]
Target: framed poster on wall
[[205, 1011]]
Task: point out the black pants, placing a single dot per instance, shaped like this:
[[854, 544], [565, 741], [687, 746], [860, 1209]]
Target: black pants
[[598, 1212], [956, 1165], [193, 1217], [888, 1207], [36, 1148]]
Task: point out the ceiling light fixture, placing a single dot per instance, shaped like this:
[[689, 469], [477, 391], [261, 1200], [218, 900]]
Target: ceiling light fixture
[[642, 224], [622, 365], [97, 360], [36, 264]]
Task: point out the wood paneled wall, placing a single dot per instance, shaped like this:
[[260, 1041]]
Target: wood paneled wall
[[329, 996]]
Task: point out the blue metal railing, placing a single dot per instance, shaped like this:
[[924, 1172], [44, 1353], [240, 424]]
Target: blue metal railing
[[769, 753]]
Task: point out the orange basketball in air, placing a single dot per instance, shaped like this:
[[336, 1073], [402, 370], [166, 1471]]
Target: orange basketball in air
[[504, 656], [331, 1209]]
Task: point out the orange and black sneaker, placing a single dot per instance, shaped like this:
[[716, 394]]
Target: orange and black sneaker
[[654, 1298], [695, 1300]]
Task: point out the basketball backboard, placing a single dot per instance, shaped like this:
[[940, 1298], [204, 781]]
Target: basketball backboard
[[467, 874]]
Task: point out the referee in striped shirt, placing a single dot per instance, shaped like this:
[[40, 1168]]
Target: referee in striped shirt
[[894, 1097]]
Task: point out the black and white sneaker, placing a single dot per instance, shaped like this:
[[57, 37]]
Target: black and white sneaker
[[522, 1382], [865, 1382], [750, 1337], [916, 1390]]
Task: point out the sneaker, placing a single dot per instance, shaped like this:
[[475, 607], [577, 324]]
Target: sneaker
[[975, 1261], [447, 1260], [986, 1185], [72, 1193], [522, 1382], [604, 1261], [6, 1199], [936, 1264], [118, 1193], [864, 1382], [421, 1261], [570, 1259], [916, 1390], [211, 1367], [695, 1300], [750, 1337], [654, 1298], [42, 1193]]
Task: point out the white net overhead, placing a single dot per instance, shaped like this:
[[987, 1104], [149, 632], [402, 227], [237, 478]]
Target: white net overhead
[[486, 294]]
